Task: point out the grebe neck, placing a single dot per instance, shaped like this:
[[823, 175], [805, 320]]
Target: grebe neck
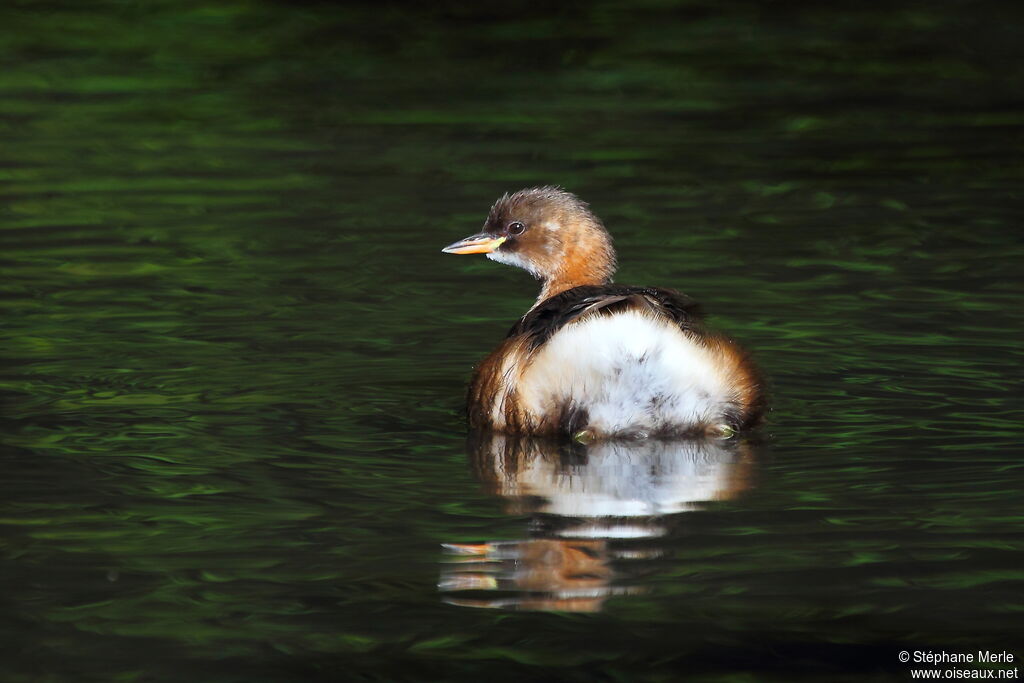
[[581, 266], [554, 287]]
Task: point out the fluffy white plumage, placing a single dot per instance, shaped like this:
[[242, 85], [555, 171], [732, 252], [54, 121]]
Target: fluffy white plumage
[[631, 371], [511, 258]]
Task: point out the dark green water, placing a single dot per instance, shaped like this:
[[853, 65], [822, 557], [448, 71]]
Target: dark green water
[[235, 357]]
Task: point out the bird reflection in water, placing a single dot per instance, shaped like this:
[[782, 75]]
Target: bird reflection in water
[[595, 511]]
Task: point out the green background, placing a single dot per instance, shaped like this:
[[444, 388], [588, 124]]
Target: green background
[[234, 356]]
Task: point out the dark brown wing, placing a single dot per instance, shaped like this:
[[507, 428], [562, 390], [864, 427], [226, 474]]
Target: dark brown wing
[[553, 314]]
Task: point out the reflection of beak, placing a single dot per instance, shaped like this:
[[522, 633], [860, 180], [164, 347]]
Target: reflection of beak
[[468, 548], [477, 244]]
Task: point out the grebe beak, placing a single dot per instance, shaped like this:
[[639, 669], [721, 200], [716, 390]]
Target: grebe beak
[[477, 244]]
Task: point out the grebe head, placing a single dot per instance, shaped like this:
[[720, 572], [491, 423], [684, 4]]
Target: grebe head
[[549, 232]]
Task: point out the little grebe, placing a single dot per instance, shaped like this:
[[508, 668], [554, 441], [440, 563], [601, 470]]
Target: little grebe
[[593, 359]]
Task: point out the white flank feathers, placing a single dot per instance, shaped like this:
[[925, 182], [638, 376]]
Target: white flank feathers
[[631, 371]]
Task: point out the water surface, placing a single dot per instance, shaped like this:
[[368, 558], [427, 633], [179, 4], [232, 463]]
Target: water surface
[[235, 357]]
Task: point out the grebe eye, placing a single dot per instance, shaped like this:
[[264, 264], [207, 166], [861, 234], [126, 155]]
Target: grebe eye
[[516, 228]]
